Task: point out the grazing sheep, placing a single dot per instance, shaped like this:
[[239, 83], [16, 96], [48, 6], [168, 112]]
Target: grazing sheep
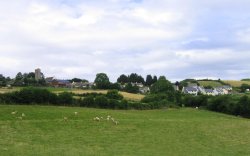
[[116, 122], [21, 118], [113, 119], [65, 119], [76, 113], [197, 107], [96, 119], [108, 116], [14, 113], [107, 119], [23, 115]]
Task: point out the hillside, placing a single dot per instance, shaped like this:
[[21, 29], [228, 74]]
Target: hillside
[[235, 83], [43, 131], [210, 83]]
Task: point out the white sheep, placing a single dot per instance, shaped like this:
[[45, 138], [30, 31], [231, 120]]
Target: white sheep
[[65, 118], [96, 119], [76, 113], [21, 118], [23, 115], [14, 113], [197, 107], [116, 122]]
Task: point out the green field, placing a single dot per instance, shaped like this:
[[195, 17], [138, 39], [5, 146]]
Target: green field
[[210, 83], [235, 83], [43, 131]]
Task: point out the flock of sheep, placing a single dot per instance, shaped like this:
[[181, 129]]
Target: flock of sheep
[[98, 119], [19, 117], [109, 118]]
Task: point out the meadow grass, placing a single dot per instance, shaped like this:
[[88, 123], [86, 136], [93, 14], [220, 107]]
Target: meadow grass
[[235, 83], [210, 83], [153, 132]]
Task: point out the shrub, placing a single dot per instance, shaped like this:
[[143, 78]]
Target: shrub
[[65, 98], [114, 94], [101, 101]]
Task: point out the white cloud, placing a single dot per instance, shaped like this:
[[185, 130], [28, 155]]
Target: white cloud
[[82, 38]]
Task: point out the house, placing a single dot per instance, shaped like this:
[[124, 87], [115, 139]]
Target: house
[[48, 80], [190, 90], [61, 83], [140, 85], [144, 90], [209, 92]]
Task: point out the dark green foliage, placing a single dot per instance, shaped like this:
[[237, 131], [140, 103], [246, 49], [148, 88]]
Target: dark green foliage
[[65, 98], [149, 80], [101, 101], [195, 101], [162, 86], [244, 87], [114, 94], [115, 86], [123, 79], [131, 89], [88, 101], [135, 78], [2, 80], [102, 81]]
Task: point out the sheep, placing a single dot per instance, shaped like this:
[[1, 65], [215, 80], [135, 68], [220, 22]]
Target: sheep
[[21, 118], [65, 118], [116, 122], [113, 119], [14, 113], [96, 119], [197, 107], [76, 113], [23, 115]]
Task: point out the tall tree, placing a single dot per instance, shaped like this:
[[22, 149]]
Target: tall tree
[[123, 79], [149, 80], [154, 79], [102, 81], [2, 80], [162, 86]]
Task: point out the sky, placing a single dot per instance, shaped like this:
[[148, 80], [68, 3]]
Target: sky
[[79, 38]]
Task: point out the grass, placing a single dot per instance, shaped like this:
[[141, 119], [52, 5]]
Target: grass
[[235, 83], [155, 132], [210, 83]]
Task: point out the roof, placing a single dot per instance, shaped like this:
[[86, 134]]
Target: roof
[[190, 89], [209, 91]]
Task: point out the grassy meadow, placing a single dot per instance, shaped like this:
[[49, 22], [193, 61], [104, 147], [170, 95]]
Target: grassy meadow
[[43, 131], [235, 83], [210, 83]]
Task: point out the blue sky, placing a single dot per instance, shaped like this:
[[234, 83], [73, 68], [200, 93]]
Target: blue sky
[[179, 39]]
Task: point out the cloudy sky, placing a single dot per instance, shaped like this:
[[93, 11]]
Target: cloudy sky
[[79, 38]]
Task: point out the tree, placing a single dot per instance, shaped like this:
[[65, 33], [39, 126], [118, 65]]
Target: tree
[[19, 79], [154, 79], [244, 87], [162, 86], [2, 80], [76, 80], [102, 81], [123, 79], [149, 80], [131, 89]]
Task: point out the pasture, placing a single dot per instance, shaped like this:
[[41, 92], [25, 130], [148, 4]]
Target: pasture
[[235, 83], [44, 131], [210, 83]]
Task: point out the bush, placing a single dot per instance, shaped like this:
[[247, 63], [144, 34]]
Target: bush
[[101, 101], [114, 94], [88, 102], [65, 98]]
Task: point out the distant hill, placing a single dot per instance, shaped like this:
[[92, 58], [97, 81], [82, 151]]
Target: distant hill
[[210, 83], [236, 83]]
